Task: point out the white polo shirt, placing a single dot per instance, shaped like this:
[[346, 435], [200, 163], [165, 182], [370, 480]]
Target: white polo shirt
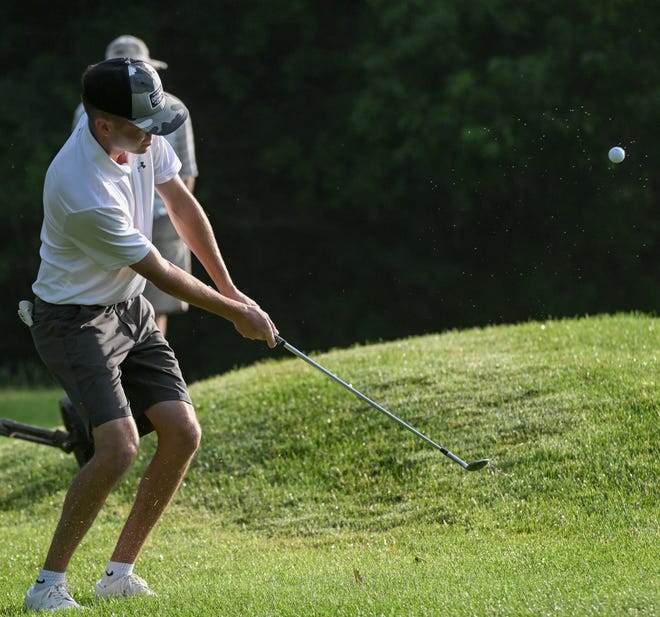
[[97, 220]]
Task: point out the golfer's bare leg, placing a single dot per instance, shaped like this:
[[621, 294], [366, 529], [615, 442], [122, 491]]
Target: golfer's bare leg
[[116, 445], [179, 435]]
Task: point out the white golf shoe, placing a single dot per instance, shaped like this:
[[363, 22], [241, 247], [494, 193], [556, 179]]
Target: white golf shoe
[[51, 598], [124, 587]]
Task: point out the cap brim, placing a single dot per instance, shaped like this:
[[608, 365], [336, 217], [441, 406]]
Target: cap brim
[[167, 120]]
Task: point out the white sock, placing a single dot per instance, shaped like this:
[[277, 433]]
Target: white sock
[[115, 570], [48, 578]]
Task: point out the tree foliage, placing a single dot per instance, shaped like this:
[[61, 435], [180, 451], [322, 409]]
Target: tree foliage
[[375, 169]]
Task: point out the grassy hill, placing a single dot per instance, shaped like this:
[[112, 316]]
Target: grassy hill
[[338, 510]]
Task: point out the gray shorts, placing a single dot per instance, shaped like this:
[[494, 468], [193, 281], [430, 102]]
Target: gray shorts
[[174, 249], [112, 361]]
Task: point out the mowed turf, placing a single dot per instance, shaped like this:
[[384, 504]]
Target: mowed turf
[[304, 500]]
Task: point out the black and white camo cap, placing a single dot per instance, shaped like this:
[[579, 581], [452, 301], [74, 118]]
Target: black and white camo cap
[[132, 89]]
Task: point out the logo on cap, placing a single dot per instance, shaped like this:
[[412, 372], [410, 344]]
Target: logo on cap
[[156, 97]]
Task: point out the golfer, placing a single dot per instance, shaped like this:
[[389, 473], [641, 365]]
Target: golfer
[[164, 236], [95, 331]]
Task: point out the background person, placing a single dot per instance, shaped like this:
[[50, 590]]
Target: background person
[[94, 330], [164, 236]]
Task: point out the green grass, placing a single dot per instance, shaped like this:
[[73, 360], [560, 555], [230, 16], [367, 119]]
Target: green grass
[[299, 484], [37, 406]]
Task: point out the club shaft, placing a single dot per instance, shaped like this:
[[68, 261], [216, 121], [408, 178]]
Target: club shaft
[[365, 398]]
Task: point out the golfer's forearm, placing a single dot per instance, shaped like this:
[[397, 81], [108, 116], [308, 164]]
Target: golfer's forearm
[[194, 228], [193, 291], [176, 282]]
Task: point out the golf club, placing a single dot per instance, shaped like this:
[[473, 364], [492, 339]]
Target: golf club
[[472, 466]]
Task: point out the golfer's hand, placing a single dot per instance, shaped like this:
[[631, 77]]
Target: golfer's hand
[[239, 296], [255, 324]]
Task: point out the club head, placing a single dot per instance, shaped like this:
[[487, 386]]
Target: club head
[[474, 465]]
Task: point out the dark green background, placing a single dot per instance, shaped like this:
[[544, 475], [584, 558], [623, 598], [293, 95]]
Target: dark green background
[[372, 169]]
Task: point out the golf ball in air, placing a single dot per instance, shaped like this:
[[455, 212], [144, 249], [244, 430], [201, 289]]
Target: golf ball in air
[[616, 154]]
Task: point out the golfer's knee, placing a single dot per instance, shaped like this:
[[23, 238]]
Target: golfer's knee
[[118, 460], [115, 450], [183, 442], [189, 436], [179, 433]]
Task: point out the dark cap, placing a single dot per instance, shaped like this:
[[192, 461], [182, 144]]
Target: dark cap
[[132, 89]]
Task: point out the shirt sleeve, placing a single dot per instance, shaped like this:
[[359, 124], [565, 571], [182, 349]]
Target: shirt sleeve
[[166, 162], [106, 237], [185, 149]]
